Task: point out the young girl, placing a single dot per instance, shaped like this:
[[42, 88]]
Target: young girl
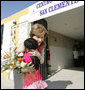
[[35, 80]]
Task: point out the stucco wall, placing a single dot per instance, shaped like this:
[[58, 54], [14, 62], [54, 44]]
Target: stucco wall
[[60, 50]]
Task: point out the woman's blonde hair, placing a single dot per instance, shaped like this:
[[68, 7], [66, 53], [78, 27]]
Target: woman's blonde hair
[[38, 30]]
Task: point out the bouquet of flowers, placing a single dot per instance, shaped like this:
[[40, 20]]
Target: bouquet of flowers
[[7, 55], [17, 63]]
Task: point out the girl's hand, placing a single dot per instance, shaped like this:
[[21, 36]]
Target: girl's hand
[[30, 64], [35, 53], [25, 69]]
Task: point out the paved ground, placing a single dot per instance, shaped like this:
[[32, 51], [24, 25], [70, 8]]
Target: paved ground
[[64, 79], [67, 79]]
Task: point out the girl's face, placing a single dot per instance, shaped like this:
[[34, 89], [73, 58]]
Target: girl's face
[[39, 39]]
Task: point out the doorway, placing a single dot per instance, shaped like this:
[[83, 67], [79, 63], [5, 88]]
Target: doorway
[[44, 66]]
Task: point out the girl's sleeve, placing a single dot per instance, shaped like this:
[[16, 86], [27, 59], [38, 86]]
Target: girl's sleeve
[[27, 58]]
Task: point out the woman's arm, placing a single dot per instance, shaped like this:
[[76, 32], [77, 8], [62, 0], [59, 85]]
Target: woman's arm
[[35, 53]]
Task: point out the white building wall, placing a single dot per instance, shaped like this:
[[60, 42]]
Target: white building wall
[[60, 50], [24, 18], [6, 36], [24, 30], [60, 57]]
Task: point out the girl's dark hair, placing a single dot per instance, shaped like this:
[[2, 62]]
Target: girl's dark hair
[[35, 61], [31, 43]]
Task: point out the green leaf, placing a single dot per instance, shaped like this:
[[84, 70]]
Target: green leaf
[[26, 73]]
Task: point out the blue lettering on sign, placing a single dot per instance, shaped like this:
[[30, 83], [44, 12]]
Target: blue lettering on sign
[[55, 7], [63, 4], [42, 12], [43, 3]]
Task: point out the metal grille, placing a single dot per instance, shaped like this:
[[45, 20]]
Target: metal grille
[[19, 33]]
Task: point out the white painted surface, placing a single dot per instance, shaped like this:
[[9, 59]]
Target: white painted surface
[[60, 57], [7, 36], [24, 30], [23, 18]]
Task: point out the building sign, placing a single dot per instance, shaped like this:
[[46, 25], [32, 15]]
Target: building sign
[[44, 9]]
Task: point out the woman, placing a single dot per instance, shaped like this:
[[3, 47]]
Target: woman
[[39, 33]]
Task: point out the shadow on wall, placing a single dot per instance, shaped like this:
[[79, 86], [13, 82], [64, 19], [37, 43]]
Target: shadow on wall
[[58, 84]]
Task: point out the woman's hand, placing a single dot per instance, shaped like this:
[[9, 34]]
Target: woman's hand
[[35, 53]]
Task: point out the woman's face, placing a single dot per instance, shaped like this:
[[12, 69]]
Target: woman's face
[[39, 39]]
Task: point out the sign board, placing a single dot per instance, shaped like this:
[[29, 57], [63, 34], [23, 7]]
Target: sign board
[[44, 9]]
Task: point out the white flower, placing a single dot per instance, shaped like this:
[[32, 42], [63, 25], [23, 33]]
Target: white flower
[[16, 53], [21, 54], [17, 63], [22, 64]]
